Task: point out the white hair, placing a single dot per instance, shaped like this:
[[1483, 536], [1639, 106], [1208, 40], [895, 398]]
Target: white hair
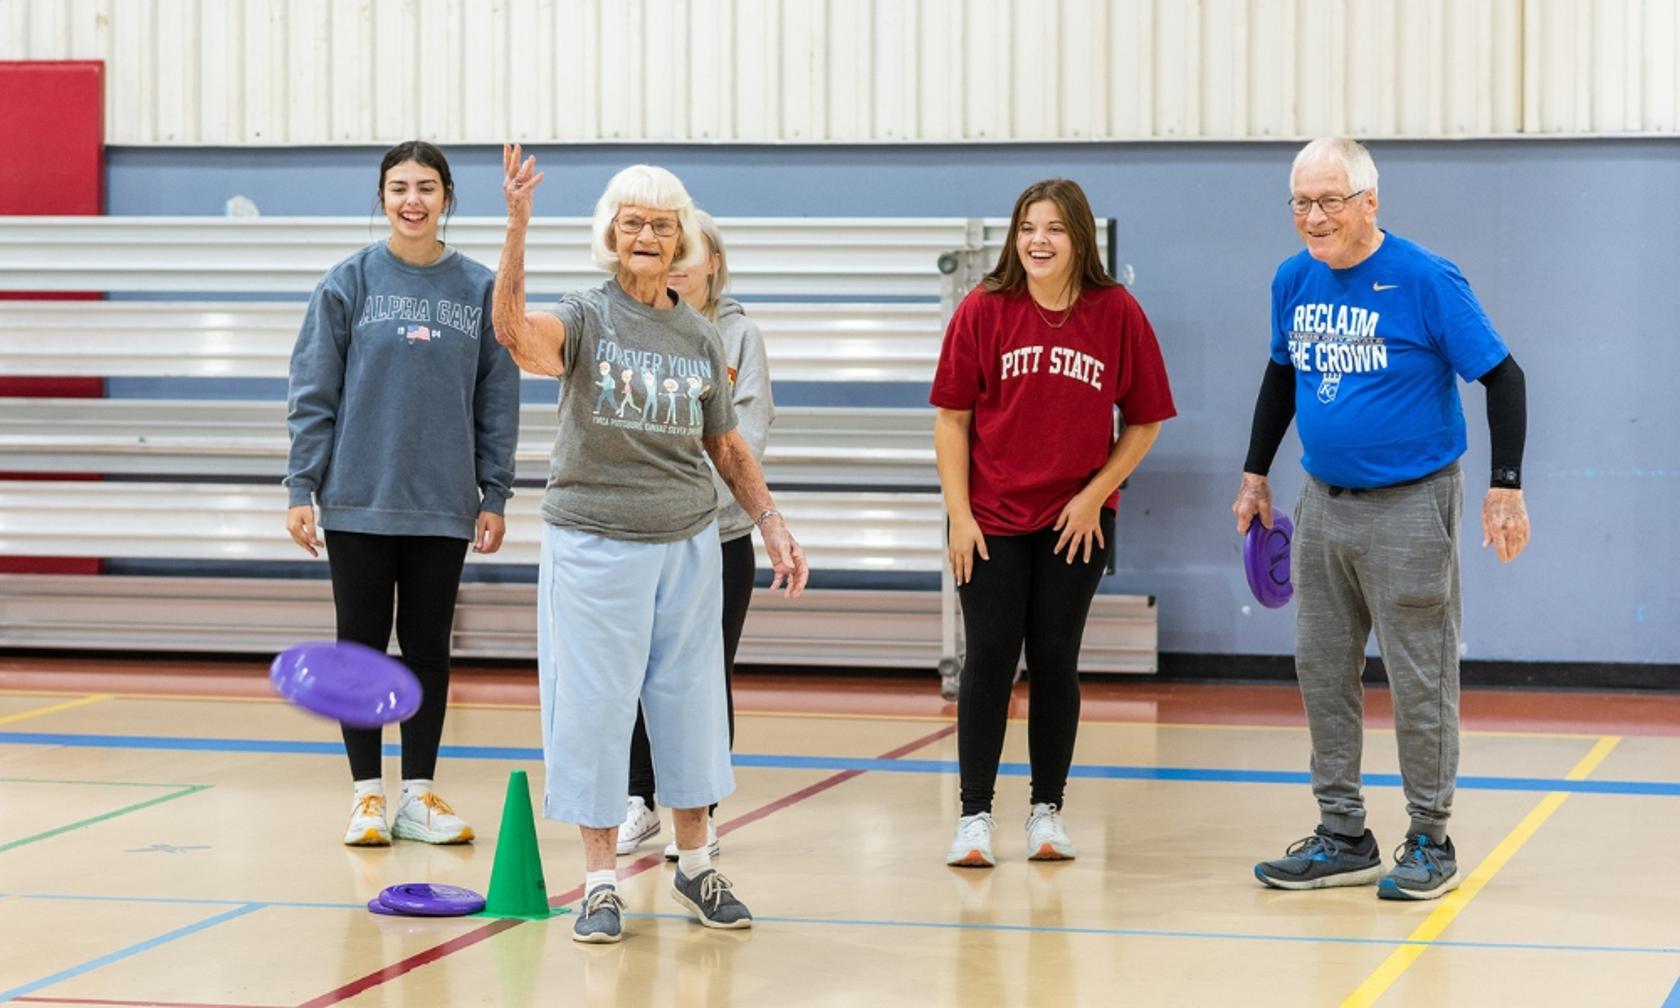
[[657, 189], [1354, 159]]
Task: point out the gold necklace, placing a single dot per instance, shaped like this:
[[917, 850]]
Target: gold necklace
[[1067, 312]]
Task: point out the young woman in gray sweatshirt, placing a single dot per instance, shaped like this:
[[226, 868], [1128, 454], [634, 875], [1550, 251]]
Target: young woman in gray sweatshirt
[[403, 416]]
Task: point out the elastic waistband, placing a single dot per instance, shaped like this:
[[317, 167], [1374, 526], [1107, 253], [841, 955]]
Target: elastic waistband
[[1446, 470]]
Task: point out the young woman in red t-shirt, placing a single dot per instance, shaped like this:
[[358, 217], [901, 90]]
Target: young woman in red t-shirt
[[1035, 362]]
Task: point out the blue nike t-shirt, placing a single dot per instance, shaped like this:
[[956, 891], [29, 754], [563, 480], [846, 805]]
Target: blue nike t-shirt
[[1375, 348]]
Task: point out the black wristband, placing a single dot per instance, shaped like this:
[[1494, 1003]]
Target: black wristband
[[1507, 478]]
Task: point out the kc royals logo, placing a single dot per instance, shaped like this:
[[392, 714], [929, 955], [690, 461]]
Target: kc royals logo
[[1327, 388]]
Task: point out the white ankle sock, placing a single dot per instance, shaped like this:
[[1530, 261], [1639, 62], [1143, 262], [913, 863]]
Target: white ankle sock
[[416, 787], [694, 863], [373, 785], [606, 876]]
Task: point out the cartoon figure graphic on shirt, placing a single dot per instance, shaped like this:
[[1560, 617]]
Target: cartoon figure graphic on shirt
[[604, 401], [650, 405], [628, 377], [694, 391], [670, 386], [1327, 388]]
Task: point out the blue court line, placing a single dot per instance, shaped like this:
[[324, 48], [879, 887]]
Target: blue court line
[[773, 761], [1673, 999], [133, 950]]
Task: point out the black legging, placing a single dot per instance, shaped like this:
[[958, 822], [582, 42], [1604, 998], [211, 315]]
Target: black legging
[[421, 575], [737, 595], [1024, 593]]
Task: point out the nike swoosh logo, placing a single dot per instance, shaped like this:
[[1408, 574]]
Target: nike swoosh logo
[[1382, 287]]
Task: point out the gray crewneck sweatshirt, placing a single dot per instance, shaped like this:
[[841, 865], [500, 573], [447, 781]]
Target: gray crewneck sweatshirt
[[404, 410], [755, 409]]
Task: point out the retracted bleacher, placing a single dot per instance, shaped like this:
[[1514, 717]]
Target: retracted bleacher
[[189, 443]]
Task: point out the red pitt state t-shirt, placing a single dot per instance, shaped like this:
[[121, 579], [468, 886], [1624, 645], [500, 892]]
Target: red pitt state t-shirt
[[1044, 397]]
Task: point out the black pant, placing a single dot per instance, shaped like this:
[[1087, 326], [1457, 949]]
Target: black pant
[[421, 576], [1024, 594], [737, 595]]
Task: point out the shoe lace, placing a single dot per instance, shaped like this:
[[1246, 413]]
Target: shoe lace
[[975, 828], [603, 897], [434, 804], [713, 888], [1420, 851], [371, 806], [1048, 818], [1312, 846]]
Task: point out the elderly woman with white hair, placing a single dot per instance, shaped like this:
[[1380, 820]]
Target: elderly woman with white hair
[[630, 604]]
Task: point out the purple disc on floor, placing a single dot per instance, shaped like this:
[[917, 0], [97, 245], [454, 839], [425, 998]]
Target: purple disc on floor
[[348, 682], [422, 899], [379, 908], [1266, 560]]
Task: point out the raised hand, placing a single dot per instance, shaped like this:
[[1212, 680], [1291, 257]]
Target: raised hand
[[519, 182]]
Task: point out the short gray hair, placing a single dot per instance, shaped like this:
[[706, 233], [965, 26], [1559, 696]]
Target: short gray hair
[[657, 189], [1350, 154]]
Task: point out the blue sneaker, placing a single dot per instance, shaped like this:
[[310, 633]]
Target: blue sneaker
[[1423, 869], [601, 918], [1321, 861]]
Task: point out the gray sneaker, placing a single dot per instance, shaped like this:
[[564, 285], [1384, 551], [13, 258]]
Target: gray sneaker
[[709, 895], [1321, 861], [1422, 870], [601, 918]]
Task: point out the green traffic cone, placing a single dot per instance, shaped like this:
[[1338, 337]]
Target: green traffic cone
[[517, 888]]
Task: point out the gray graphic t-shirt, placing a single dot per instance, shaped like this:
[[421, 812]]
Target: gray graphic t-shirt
[[642, 386]]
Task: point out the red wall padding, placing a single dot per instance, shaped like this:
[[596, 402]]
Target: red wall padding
[[52, 161]]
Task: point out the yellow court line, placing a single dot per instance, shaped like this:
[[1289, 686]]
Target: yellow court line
[[1454, 902], [91, 698]]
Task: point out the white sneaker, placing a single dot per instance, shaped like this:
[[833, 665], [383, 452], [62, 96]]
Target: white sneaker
[[972, 846], [429, 819], [640, 823], [367, 823], [1047, 838], [712, 844]]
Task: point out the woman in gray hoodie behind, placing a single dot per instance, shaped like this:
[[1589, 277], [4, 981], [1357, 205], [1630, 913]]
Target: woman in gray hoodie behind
[[703, 286]]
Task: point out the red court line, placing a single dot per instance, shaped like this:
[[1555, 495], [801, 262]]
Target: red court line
[[133, 1004], [636, 867]]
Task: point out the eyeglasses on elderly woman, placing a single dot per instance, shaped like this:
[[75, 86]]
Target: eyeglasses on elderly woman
[[664, 227]]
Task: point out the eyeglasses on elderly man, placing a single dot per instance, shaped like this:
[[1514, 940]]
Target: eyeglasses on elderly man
[[1301, 205]]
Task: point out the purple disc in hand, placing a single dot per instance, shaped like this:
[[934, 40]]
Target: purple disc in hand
[[1266, 560], [345, 681]]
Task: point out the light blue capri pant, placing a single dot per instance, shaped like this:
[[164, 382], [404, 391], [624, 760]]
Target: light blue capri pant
[[620, 622]]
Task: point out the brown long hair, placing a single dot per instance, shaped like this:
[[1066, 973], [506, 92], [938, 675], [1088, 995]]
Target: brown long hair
[[1010, 277]]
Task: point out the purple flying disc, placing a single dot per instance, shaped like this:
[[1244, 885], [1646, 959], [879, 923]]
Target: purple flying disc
[[374, 906], [1266, 560], [347, 682], [422, 899]]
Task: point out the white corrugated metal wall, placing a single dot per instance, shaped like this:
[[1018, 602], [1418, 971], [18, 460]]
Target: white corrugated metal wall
[[212, 72]]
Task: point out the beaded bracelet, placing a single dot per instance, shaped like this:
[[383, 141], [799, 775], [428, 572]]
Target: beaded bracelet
[[766, 515]]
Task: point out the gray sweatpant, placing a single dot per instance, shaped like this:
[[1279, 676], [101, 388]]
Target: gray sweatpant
[[1384, 559]]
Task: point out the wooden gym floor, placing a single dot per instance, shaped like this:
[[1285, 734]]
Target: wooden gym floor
[[169, 837]]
